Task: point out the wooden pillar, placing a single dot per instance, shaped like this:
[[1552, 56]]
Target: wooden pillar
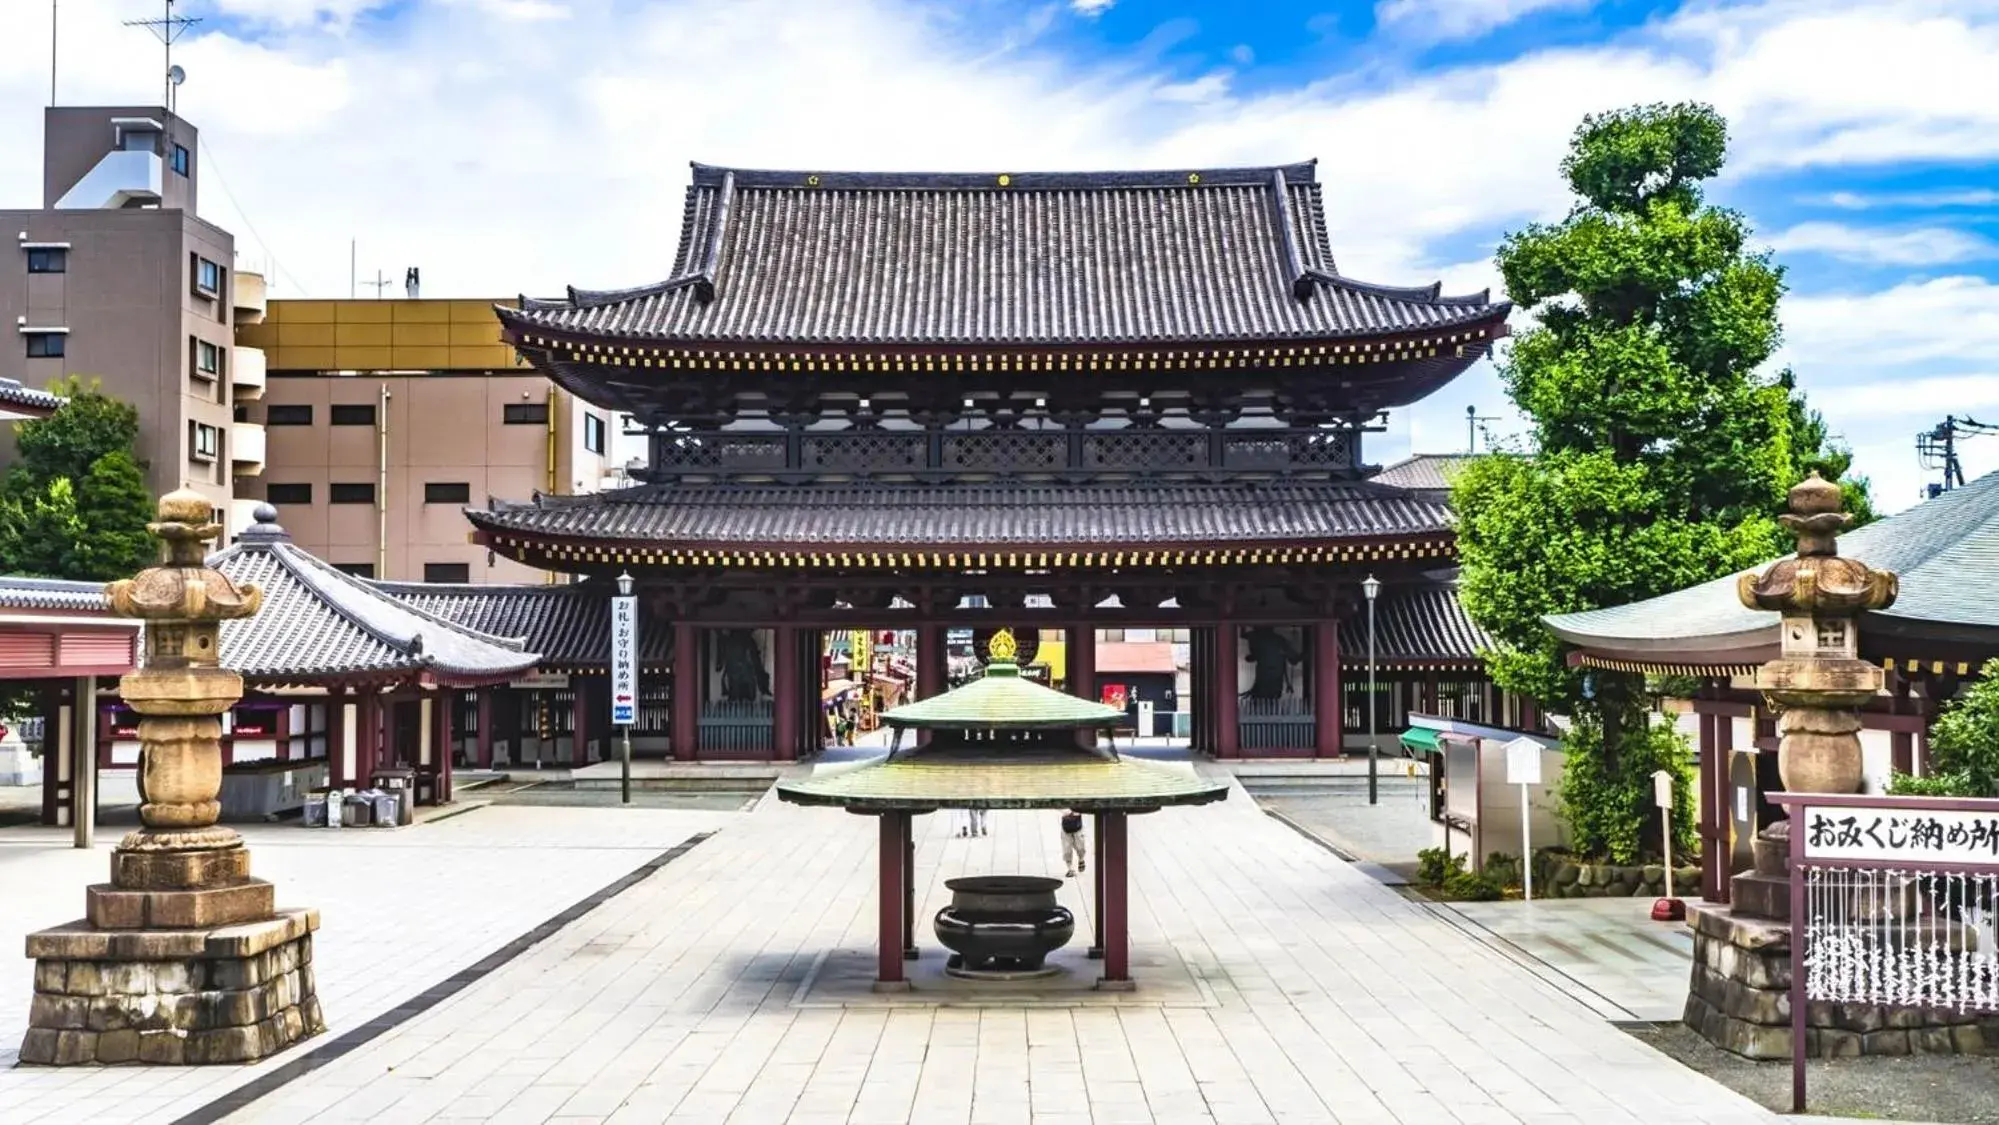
[[1326, 704], [1114, 857], [909, 951], [336, 732], [684, 688], [1227, 677], [1082, 661], [889, 893], [785, 689], [932, 661], [56, 757], [1901, 744], [1724, 764], [1713, 814], [580, 712], [1097, 887], [484, 744]]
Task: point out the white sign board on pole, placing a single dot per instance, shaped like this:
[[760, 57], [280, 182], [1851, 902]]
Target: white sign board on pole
[[624, 661], [1523, 768], [1662, 795]]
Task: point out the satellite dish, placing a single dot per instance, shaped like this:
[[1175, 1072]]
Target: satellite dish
[[176, 75]]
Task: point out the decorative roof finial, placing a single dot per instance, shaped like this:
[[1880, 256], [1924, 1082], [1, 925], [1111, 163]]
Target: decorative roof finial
[[1002, 649]]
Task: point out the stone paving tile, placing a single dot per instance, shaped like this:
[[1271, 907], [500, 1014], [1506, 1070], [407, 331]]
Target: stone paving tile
[[1334, 1001], [401, 910]]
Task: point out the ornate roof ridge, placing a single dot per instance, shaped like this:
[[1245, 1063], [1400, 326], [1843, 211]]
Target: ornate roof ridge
[[726, 490], [714, 175]]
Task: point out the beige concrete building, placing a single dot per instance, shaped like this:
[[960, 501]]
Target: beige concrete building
[[115, 276], [386, 418]]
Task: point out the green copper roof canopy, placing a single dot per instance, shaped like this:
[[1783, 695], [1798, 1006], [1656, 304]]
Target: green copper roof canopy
[[1002, 699]]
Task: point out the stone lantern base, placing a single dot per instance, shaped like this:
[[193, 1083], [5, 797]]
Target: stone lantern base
[[182, 958]]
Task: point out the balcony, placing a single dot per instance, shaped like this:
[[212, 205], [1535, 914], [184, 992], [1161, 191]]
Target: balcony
[[246, 449], [125, 178], [246, 374], [250, 300]]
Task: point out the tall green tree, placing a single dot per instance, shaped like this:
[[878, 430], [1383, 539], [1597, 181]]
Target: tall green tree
[[1663, 446], [74, 504]]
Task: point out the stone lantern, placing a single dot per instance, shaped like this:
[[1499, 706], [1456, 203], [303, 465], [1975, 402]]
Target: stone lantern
[[1818, 683], [182, 957]]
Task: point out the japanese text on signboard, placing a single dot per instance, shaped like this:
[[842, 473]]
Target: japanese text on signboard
[[1899, 834], [624, 661]]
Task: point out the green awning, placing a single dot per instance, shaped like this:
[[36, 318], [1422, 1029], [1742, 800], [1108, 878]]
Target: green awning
[[1423, 739]]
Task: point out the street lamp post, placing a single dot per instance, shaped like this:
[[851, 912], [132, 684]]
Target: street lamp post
[[625, 729], [1372, 588]]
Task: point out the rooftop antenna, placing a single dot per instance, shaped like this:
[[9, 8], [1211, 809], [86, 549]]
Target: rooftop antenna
[[168, 28], [55, 7], [1472, 420], [380, 283]]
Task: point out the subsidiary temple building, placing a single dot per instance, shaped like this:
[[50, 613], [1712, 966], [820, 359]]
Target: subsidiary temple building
[[1070, 401]]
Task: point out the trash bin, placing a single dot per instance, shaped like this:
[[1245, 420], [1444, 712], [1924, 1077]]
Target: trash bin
[[315, 809], [388, 809], [357, 810], [335, 799]]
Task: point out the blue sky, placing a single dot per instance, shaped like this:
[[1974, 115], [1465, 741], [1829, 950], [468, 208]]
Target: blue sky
[[510, 145]]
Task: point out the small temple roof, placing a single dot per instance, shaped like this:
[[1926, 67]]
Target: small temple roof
[[1418, 622], [972, 516], [53, 595], [1946, 551], [569, 625], [18, 402], [1192, 255], [1428, 473], [319, 625], [973, 770], [1003, 699]]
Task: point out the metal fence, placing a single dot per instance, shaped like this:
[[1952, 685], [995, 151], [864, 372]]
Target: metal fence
[[1275, 724], [1893, 901]]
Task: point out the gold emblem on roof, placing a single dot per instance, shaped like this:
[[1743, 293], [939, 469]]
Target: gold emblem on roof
[[1001, 649]]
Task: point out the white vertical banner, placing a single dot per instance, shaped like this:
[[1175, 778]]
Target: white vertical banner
[[624, 661]]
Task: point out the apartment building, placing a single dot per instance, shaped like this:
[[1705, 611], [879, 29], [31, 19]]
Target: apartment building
[[115, 276], [385, 418]]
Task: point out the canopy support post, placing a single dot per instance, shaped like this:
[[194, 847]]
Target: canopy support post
[[1113, 858], [888, 960], [909, 951], [1096, 952]]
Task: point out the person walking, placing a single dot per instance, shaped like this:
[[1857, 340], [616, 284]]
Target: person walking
[[1072, 842], [978, 821]]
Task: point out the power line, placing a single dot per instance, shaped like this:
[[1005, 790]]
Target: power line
[[215, 167]]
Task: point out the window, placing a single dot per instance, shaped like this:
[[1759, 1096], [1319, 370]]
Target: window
[[48, 259], [46, 345], [207, 276], [288, 493], [351, 414], [447, 492], [207, 359], [525, 414], [178, 160], [350, 494], [358, 570], [593, 433], [447, 572], [290, 414], [207, 441]]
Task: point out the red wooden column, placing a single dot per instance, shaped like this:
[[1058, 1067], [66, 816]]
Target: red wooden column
[[784, 689], [1096, 855], [1714, 817], [1330, 741], [1724, 762], [932, 661], [909, 950], [685, 689], [888, 953], [441, 743], [485, 734], [1082, 671], [1227, 677], [336, 732], [1114, 856]]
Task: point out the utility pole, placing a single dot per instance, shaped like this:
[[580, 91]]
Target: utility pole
[[1937, 450]]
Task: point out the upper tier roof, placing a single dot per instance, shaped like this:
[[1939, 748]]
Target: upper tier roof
[[1213, 255]]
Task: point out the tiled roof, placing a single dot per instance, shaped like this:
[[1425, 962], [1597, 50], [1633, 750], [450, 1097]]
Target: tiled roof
[[53, 594], [1416, 622], [319, 625], [1945, 550], [1021, 258], [1424, 472], [19, 401], [972, 516], [999, 778], [569, 625]]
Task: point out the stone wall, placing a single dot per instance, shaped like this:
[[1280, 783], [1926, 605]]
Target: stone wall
[[234, 997], [1567, 877], [1740, 1001]]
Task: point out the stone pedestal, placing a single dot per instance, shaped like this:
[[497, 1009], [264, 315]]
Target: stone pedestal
[[1740, 1001], [229, 994]]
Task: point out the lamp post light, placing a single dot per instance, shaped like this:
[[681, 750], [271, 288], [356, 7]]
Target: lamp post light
[[625, 729], [1372, 588]]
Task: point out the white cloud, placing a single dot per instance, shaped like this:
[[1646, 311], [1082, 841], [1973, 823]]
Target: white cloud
[[1090, 9], [1439, 21], [1921, 246], [504, 155], [1863, 201]]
